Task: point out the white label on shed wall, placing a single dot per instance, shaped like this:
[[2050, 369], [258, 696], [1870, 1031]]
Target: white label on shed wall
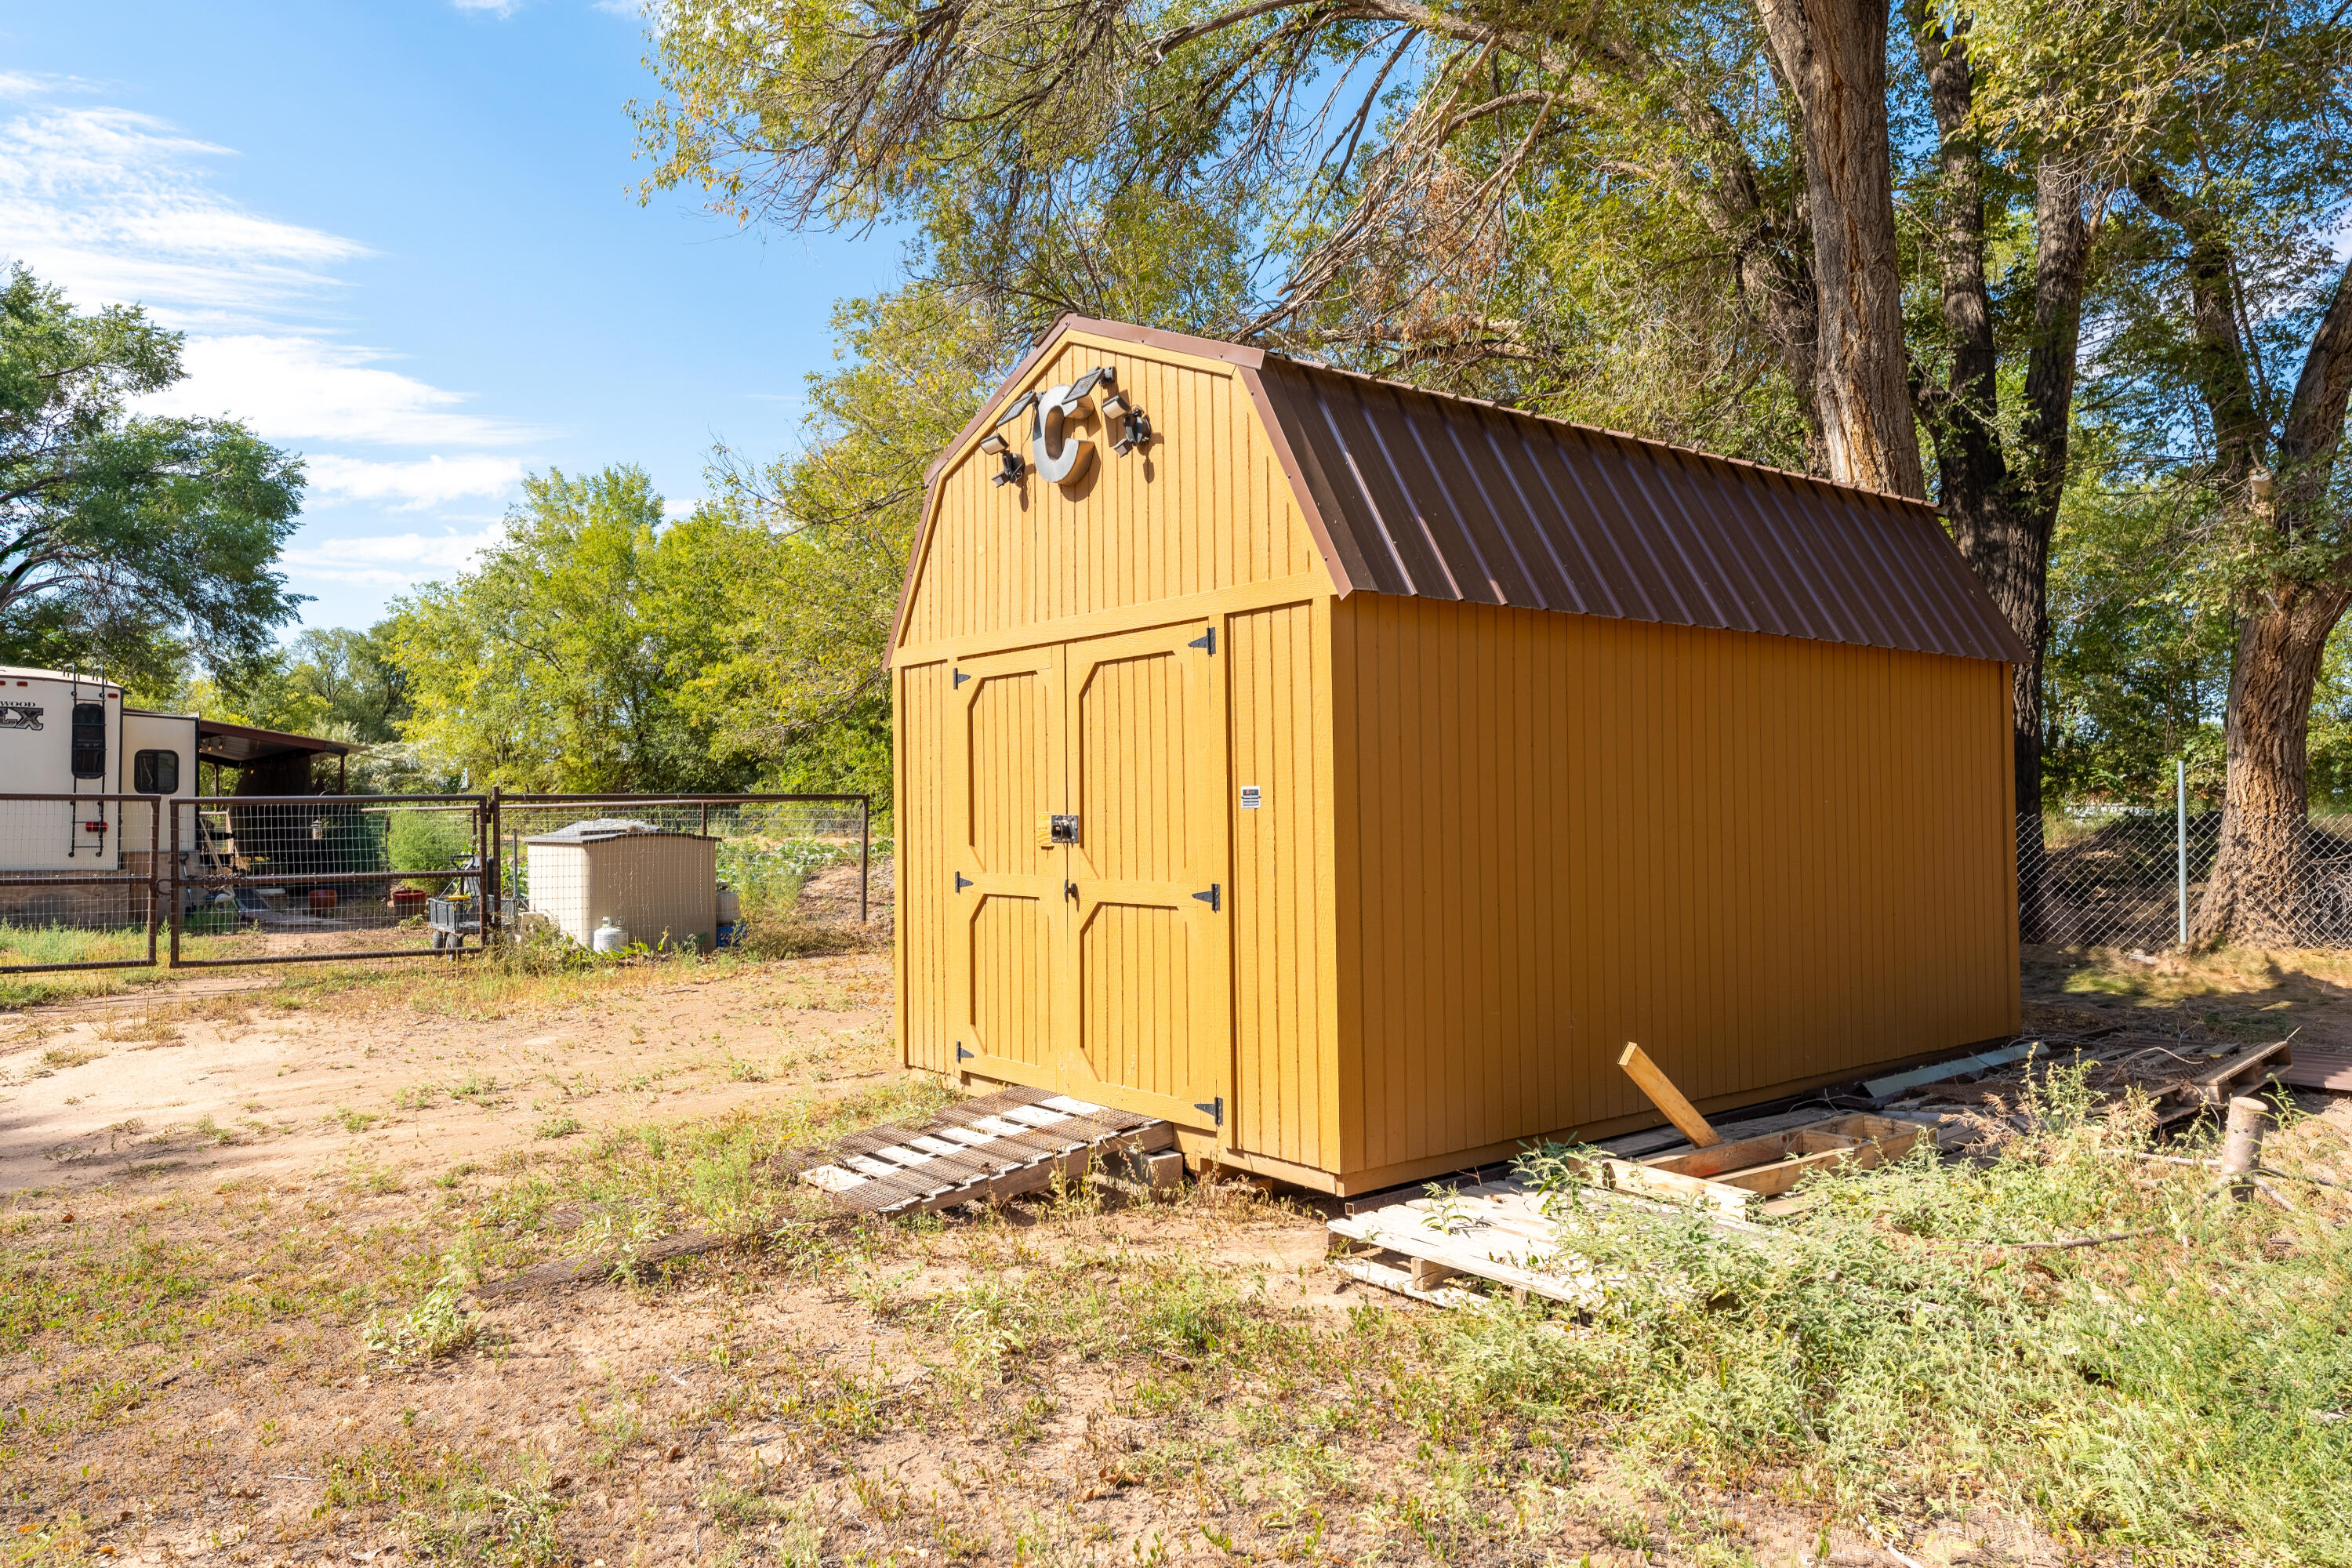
[[1249, 797]]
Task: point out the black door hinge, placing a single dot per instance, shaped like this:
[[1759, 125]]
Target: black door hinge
[[1207, 639], [962, 881], [961, 677], [1212, 898], [962, 1054], [1215, 1108]]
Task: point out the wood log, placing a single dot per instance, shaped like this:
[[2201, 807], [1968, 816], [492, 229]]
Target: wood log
[[2241, 1143]]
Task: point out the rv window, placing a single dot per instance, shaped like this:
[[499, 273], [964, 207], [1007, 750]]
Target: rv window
[[89, 741], [154, 773]]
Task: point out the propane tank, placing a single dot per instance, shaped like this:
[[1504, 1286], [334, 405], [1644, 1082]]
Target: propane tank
[[609, 938]]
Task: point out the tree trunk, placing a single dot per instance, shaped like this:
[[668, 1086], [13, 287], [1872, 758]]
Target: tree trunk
[[1833, 56], [2255, 892], [2002, 503]]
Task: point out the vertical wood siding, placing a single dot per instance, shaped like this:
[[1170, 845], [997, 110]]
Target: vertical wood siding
[[1284, 1100], [922, 874], [1205, 507], [1765, 858]]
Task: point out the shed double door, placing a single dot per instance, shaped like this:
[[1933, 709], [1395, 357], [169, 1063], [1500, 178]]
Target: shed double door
[[1097, 961]]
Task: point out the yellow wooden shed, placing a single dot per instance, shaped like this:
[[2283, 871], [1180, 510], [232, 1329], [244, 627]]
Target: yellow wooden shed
[[1346, 773]]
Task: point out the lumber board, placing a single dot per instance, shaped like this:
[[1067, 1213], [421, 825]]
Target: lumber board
[[1663, 1094]]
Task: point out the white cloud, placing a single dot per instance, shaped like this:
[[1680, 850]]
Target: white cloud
[[390, 560], [117, 206], [499, 8], [306, 389], [430, 481], [113, 205]]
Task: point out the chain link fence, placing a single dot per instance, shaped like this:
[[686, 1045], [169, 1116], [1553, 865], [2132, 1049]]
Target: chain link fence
[[2134, 878]]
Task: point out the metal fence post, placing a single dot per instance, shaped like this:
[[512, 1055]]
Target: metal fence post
[[154, 852], [2180, 841], [493, 923], [179, 896], [866, 857]]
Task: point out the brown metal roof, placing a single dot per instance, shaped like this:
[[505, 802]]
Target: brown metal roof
[[236, 744], [1450, 497], [1415, 492]]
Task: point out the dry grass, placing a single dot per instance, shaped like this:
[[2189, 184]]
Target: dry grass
[[281, 1369]]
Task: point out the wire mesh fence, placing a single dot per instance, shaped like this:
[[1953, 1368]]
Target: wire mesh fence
[[2136, 877], [115, 881], [318, 877], [569, 861]]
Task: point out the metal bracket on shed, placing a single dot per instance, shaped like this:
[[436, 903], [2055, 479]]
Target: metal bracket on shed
[[962, 881], [959, 677], [1212, 898], [962, 1054], [1215, 1108], [1207, 639]]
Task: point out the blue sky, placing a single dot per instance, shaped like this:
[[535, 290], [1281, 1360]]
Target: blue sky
[[403, 239]]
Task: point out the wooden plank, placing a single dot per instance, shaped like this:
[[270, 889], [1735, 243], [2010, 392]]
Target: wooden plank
[[1666, 1096], [2315, 1069]]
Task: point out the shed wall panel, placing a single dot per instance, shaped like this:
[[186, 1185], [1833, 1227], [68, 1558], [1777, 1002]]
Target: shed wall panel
[[1766, 859], [1286, 1100], [1206, 507]]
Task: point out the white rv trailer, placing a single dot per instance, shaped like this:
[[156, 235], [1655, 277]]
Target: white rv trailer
[[68, 735], [63, 733]]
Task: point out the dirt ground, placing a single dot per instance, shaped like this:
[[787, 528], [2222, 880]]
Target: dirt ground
[[234, 1081], [2246, 994], [252, 1220]]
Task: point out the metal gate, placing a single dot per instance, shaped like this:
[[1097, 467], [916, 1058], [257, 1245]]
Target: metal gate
[[315, 879]]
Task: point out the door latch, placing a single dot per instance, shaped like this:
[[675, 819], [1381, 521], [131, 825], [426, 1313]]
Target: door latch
[[1215, 1108], [1065, 828], [1069, 889], [1212, 897]]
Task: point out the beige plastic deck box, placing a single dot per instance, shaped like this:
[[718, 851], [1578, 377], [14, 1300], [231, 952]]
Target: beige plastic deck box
[[660, 887]]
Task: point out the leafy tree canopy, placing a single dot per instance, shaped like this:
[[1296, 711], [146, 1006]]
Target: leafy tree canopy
[[128, 541], [550, 666]]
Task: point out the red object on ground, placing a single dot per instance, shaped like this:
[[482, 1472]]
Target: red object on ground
[[322, 897], [407, 899]]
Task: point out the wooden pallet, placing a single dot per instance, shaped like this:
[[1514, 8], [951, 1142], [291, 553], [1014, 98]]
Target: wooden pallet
[[1495, 1231], [995, 1146]]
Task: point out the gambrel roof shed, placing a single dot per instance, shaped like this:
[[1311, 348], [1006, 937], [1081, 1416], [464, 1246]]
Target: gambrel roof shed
[[1347, 771]]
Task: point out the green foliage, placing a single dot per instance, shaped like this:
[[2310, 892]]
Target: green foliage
[[2139, 651], [2163, 1392], [336, 682], [427, 840], [128, 539], [434, 1328], [796, 572], [551, 665]]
